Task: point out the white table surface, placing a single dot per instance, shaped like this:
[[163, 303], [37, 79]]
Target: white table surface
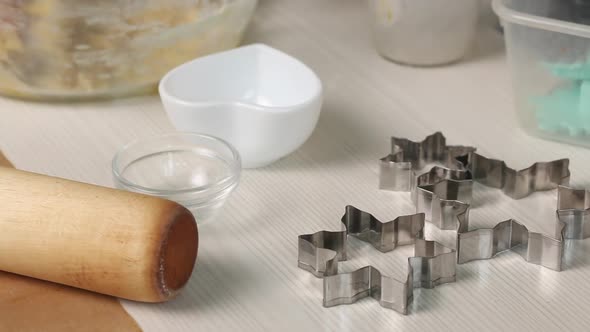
[[246, 276]]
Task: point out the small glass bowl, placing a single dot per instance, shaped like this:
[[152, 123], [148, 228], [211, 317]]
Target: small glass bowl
[[195, 170]]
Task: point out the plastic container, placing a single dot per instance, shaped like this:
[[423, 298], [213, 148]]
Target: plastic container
[[424, 32], [487, 16], [548, 47], [76, 49], [197, 171]]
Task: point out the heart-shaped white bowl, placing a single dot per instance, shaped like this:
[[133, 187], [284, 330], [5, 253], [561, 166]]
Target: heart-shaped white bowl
[[261, 100]]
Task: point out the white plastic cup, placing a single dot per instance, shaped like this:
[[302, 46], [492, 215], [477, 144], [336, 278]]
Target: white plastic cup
[[424, 32]]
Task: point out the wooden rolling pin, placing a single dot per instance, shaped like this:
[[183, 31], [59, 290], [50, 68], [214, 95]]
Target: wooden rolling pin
[[108, 241]]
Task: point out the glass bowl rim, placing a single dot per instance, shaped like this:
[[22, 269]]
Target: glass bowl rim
[[234, 165]]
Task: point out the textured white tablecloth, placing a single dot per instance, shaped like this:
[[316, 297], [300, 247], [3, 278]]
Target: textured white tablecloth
[[246, 277]]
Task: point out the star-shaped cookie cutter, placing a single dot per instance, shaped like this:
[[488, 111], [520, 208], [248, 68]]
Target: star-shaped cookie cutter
[[514, 183], [572, 221], [444, 196], [319, 253], [397, 169], [443, 193], [448, 208], [573, 209]]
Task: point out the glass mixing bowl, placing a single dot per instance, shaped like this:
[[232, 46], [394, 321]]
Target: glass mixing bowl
[[76, 49]]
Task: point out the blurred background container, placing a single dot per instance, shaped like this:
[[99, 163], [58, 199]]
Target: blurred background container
[[548, 47], [487, 15], [424, 32], [76, 49]]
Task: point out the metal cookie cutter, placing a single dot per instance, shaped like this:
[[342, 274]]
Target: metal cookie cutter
[[571, 222], [516, 183], [320, 252], [397, 170], [573, 209], [444, 196], [485, 243]]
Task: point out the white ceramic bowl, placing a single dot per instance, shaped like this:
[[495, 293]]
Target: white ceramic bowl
[[262, 101]]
